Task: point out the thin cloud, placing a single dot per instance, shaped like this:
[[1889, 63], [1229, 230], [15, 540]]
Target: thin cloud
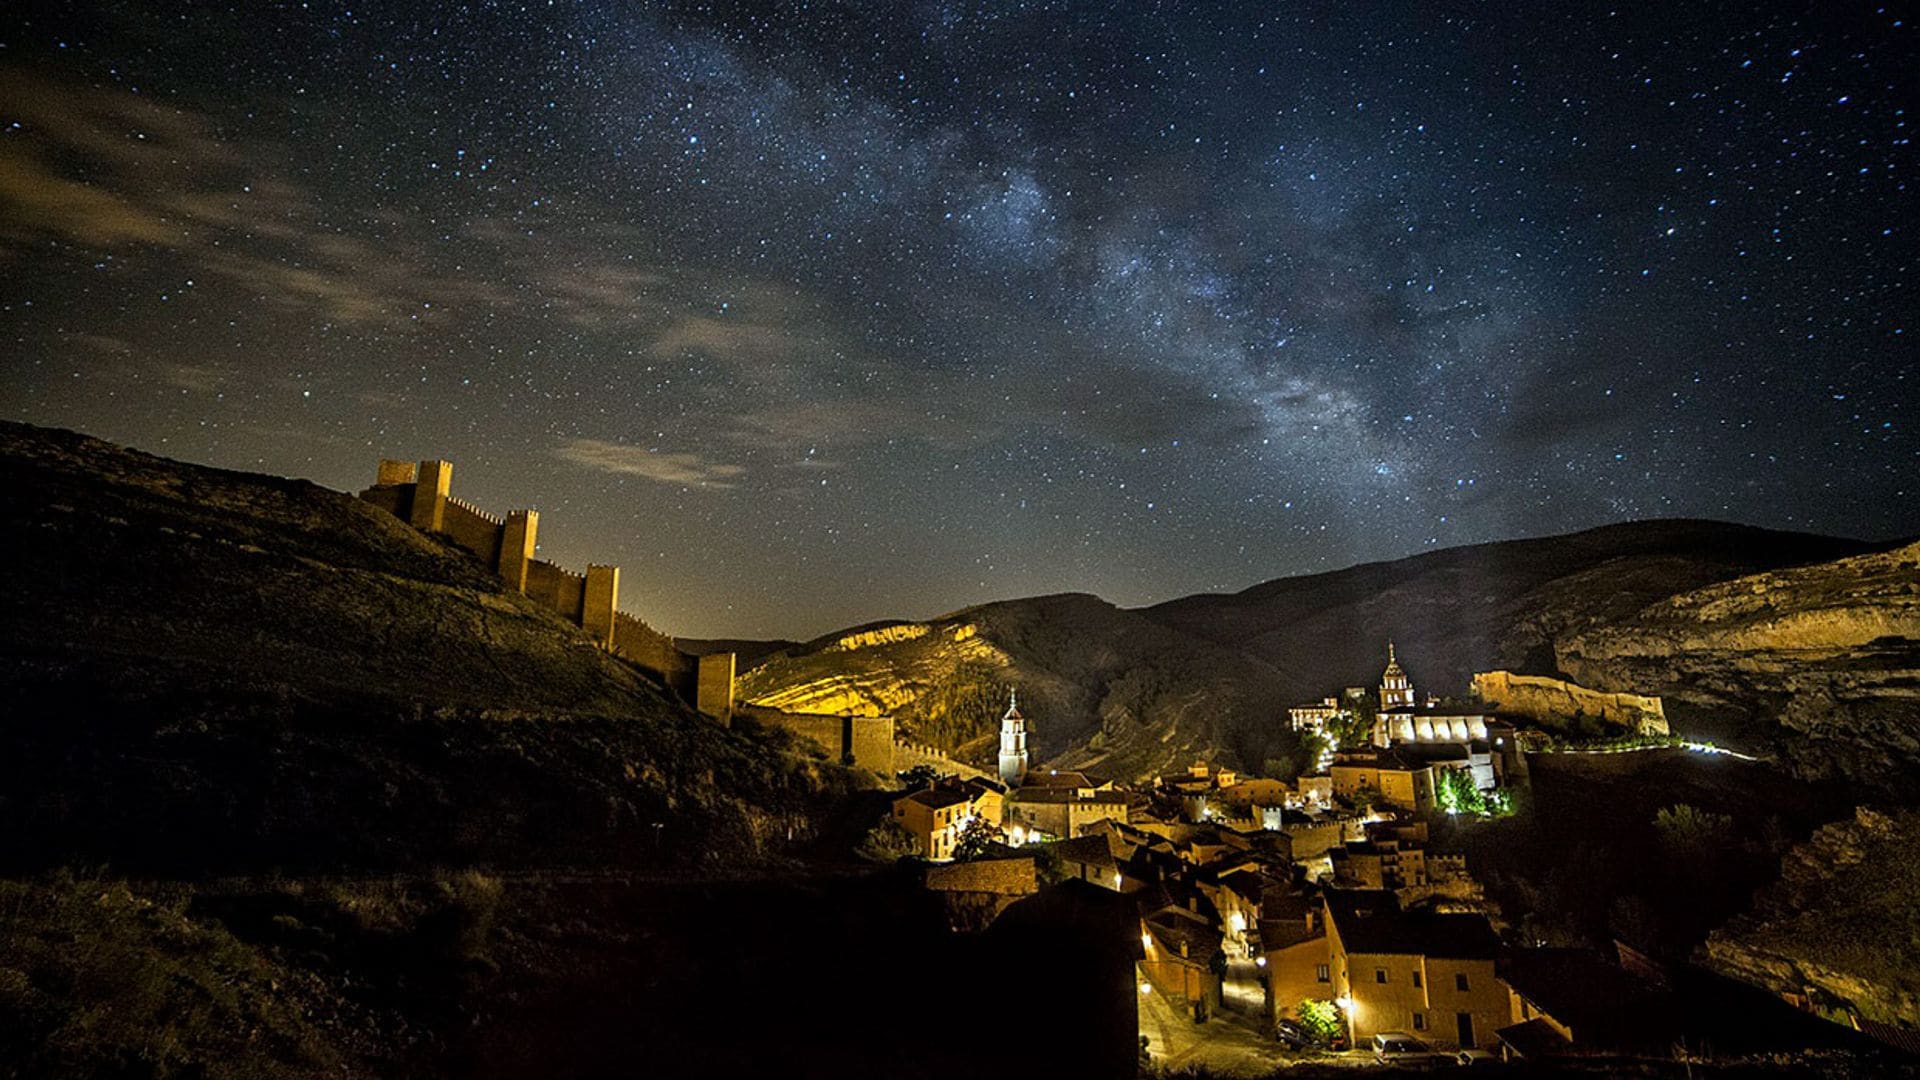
[[666, 468]]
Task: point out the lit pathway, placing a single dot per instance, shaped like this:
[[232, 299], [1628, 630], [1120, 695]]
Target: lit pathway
[[1696, 747], [1233, 1043]]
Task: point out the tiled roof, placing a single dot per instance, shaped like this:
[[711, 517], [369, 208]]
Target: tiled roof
[[1370, 925], [938, 798]]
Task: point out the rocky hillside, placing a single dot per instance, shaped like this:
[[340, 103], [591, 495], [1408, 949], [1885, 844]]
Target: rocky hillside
[[1841, 920], [1823, 659], [211, 671], [1102, 687], [1479, 608], [1139, 690]]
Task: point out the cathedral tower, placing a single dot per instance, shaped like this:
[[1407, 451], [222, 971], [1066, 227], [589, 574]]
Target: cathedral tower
[[1013, 743], [1396, 691]]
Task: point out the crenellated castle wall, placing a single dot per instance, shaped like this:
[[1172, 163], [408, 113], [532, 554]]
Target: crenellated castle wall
[[422, 495]]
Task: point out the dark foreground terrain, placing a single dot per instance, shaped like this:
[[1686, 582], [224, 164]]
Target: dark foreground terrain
[[289, 788]]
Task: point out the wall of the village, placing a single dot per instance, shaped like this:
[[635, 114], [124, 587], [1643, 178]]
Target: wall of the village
[[863, 741], [474, 529], [559, 589], [421, 495], [1558, 704], [907, 755]]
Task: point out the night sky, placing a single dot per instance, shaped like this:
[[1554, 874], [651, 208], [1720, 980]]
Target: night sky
[[831, 313]]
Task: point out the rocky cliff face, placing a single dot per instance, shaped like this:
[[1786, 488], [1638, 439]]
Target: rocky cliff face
[[1101, 687], [1841, 921], [1822, 662]]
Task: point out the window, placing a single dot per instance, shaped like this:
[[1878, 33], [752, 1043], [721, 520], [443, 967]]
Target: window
[[1379, 975], [1416, 978], [1320, 973], [1460, 982], [1419, 1021]]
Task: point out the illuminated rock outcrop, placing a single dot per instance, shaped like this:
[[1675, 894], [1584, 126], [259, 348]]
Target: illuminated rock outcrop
[[1825, 658], [1558, 704], [1840, 923]]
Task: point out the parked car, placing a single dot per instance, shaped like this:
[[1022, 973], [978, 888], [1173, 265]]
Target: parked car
[[1476, 1057], [1293, 1034], [1400, 1048]]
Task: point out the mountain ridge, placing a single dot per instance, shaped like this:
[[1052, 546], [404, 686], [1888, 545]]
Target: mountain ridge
[[1497, 605]]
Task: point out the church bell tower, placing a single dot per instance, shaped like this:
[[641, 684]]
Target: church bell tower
[[1013, 743], [1396, 690]]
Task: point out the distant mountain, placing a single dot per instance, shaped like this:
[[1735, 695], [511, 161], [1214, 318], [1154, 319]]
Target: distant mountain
[[1132, 691], [1102, 687], [1478, 608], [212, 671]]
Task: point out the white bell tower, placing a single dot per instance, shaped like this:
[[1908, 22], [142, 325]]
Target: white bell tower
[[1013, 743]]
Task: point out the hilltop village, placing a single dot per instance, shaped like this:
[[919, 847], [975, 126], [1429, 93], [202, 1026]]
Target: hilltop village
[[1314, 915]]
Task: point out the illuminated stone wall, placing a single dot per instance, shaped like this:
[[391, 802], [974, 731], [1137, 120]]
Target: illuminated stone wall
[[1554, 703], [713, 693], [421, 494], [865, 742]]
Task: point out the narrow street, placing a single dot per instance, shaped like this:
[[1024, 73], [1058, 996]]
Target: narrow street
[[1230, 1043]]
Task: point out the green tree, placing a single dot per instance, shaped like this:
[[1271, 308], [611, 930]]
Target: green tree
[[919, 776], [1455, 792], [976, 839], [1321, 1019]]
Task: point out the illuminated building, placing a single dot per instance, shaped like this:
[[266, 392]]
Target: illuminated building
[[1013, 743]]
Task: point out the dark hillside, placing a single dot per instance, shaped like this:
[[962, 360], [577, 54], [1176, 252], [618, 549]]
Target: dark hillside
[[220, 672], [1468, 609]]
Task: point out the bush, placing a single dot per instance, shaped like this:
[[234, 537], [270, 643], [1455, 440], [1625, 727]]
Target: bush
[[1690, 830], [888, 842], [1321, 1019]]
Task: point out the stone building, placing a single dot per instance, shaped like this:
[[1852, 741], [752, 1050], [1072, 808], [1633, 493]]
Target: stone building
[[1424, 972], [1395, 779], [1062, 805], [937, 816]]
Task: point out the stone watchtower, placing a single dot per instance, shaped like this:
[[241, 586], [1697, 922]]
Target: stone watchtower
[[1396, 690], [1013, 743]]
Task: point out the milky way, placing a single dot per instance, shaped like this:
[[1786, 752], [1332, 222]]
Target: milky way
[[824, 314]]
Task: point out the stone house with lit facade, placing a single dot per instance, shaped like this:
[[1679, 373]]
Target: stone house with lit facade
[[1182, 956], [1428, 973], [937, 816], [1396, 780], [1062, 805], [1298, 960]]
